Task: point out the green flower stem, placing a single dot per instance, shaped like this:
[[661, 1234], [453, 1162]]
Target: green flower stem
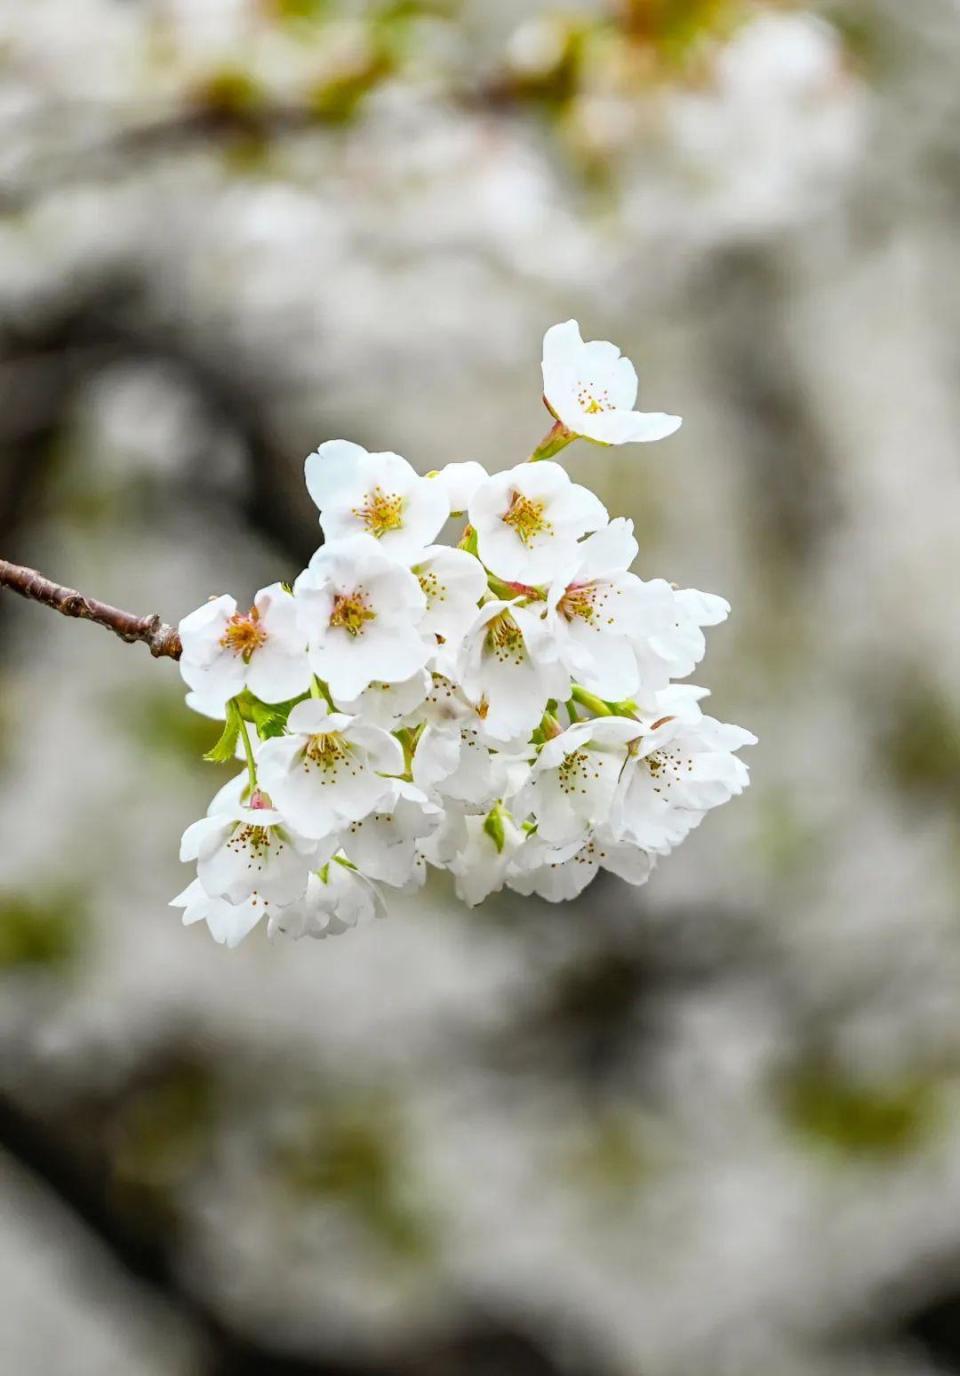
[[596, 705], [248, 751], [556, 438]]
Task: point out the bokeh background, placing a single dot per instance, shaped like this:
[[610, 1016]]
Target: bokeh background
[[706, 1128]]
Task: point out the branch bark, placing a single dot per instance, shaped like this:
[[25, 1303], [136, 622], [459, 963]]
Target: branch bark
[[162, 640]]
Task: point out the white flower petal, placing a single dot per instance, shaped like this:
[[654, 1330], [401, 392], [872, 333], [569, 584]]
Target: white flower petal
[[593, 390]]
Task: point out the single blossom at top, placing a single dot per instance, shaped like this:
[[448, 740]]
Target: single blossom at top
[[225, 650], [592, 390], [361, 613], [528, 521], [379, 495]]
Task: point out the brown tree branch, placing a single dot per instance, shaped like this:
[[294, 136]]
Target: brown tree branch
[[163, 640]]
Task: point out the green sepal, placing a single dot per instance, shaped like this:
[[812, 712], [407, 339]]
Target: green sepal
[[226, 747], [493, 826], [468, 540]]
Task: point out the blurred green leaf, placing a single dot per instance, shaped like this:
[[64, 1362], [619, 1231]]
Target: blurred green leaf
[[159, 721], [352, 1154], [829, 1107], [38, 931], [920, 743]]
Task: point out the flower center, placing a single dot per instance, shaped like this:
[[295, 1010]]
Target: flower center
[[258, 841], [505, 639], [244, 634], [573, 772], [433, 590], [593, 402], [525, 516], [351, 612], [326, 750], [578, 601], [381, 512], [667, 767]]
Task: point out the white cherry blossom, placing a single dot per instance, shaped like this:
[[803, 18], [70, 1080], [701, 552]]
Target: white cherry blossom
[[328, 770], [459, 482], [454, 757], [453, 582], [679, 768], [595, 613], [508, 670], [479, 865], [528, 521], [429, 684], [574, 779], [228, 923], [337, 898], [592, 390], [383, 844], [248, 848], [455, 762], [444, 702], [559, 873], [380, 495], [386, 704], [361, 613], [671, 643], [225, 650]]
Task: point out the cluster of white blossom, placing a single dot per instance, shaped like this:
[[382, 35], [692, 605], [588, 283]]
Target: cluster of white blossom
[[504, 708]]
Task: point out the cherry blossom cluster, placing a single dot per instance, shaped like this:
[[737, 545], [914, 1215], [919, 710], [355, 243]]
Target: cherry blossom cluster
[[506, 707]]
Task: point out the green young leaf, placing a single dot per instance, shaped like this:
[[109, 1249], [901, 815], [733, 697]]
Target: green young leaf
[[270, 719], [226, 746]]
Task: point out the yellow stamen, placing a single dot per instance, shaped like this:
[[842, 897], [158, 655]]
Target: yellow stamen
[[244, 634], [525, 516], [351, 613], [505, 639], [592, 404], [381, 512], [578, 601], [433, 590], [326, 750]]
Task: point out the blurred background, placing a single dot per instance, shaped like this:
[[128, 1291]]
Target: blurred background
[[705, 1128]]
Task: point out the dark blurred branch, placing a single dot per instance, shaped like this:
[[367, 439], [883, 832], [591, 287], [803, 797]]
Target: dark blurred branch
[[162, 640], [80, 1178]]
